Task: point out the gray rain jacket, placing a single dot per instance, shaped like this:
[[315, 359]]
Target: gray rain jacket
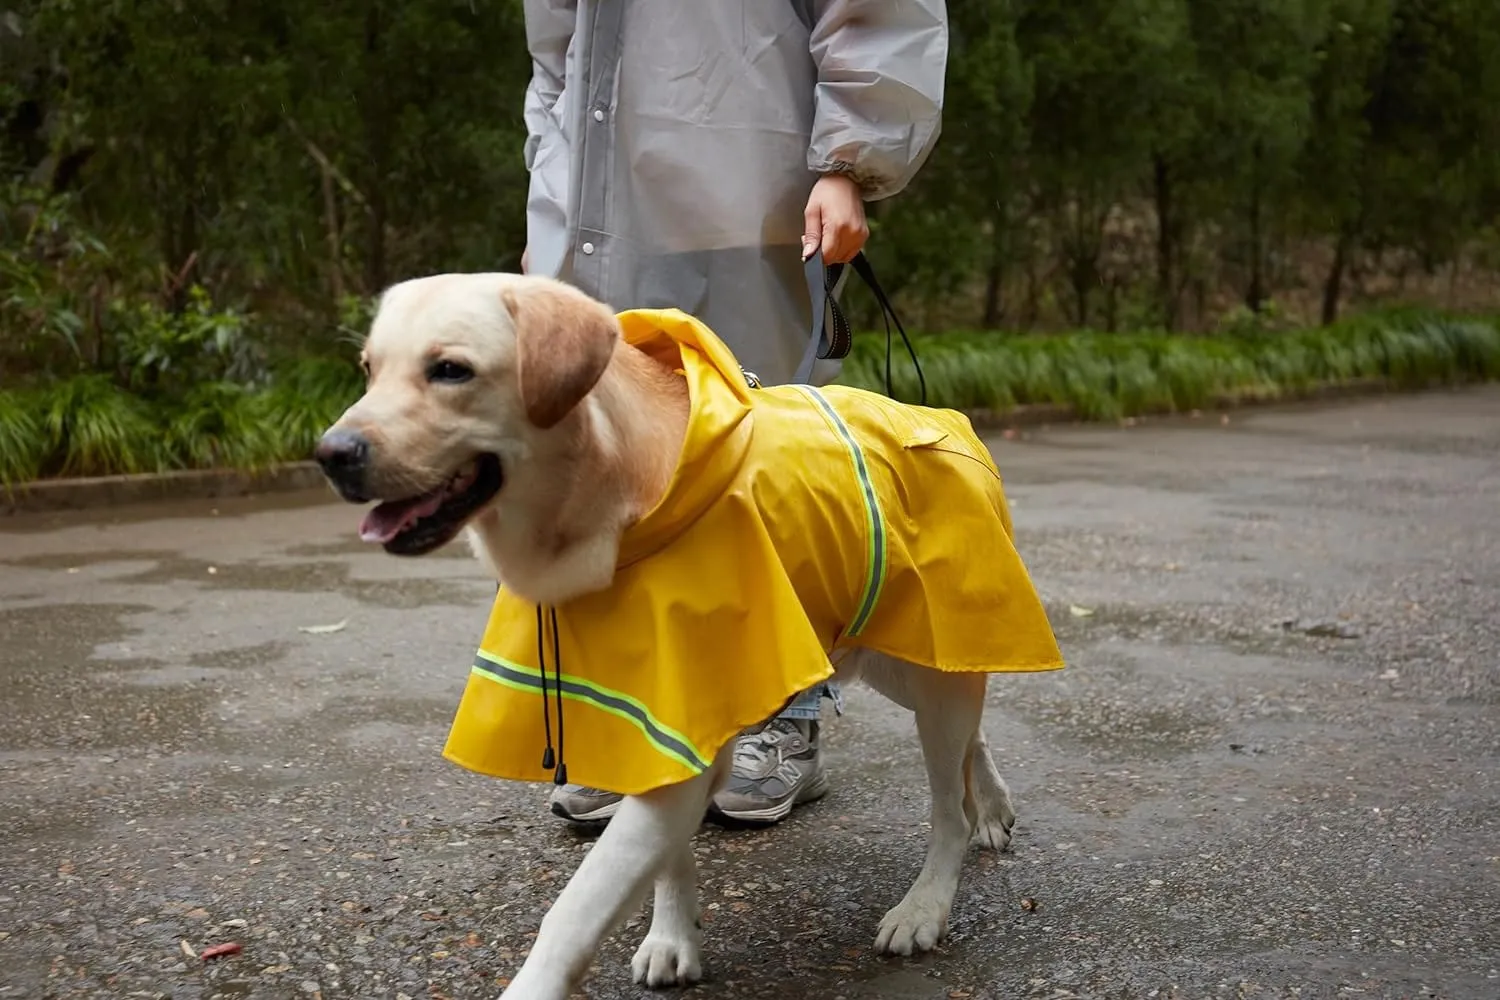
[[673, 144]]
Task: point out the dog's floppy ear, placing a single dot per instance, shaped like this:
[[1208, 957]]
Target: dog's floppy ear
[[564, 341]]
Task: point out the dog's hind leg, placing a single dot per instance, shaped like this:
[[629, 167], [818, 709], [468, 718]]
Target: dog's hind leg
[[989, 798], [650, 835], [671, 954], [948, 707]]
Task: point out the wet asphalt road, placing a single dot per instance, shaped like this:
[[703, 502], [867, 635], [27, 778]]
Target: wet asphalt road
[[1213, 803]]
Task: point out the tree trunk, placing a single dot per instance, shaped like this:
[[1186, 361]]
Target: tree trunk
[[1255, 296], [1334, 285], [1082, 281], [994, 279], [1166, 240], [377, 129], [335, 237], [181, 243], [1033, 307], [1083, 269]]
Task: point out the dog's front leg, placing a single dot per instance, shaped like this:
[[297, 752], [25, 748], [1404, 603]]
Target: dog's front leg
[[648, 834]]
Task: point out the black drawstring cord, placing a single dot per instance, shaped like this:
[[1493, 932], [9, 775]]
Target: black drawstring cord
[[549, 759], [560, 776], [541, 661]]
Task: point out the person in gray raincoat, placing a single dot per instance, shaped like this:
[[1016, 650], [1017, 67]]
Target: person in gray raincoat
[[691, 156]]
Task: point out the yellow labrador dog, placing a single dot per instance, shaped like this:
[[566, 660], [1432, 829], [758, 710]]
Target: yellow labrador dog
[[514, 408]]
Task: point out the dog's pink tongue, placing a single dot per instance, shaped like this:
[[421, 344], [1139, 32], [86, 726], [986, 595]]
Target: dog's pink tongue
[[387, 520]]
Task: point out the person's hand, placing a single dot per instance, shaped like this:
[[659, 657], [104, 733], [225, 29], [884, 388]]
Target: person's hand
[[834, 220], [526, 259]]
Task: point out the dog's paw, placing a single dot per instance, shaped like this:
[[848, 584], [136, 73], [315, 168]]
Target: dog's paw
[[993, 832], [661, 962], [912, 926]]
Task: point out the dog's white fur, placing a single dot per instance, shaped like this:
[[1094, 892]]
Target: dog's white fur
[[588, 430]]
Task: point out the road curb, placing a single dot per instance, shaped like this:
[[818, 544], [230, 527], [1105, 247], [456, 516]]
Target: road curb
[[111, 491], [48, 495]]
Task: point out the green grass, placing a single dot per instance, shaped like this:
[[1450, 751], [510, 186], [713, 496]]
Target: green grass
[[22, 439], [222, 424], [91, 427], [1108, 376], [88, 425]]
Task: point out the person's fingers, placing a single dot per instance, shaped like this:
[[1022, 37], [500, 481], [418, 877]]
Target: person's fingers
[[830, 225], [842, 240], [838, 237], [833, 234], [812, 226], [859, 238]]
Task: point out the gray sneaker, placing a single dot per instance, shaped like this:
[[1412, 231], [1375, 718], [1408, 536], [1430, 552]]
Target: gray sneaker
[[581, 804], [777, 767]]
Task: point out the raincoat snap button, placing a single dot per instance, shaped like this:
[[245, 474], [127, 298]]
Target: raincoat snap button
[[588, 248], [598, 115]]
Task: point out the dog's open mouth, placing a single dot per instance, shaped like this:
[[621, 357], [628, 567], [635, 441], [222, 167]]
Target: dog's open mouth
[[417, 525]]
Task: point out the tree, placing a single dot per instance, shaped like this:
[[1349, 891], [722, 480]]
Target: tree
[[1432, 120], [1095, 70], [1334, 169], [959, 220], [1256, 58], [1100, 159], [1175, 109]]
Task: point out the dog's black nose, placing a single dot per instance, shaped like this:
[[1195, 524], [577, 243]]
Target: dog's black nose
[[343, 456], [341, 450]]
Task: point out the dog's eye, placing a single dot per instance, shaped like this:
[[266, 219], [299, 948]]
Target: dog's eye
[[449, 371]]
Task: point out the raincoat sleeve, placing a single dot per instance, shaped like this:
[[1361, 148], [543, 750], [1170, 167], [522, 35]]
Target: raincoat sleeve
[[879, 101], [549, 31], [549, 28]]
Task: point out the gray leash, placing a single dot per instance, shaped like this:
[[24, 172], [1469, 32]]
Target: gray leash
[[831, 338]]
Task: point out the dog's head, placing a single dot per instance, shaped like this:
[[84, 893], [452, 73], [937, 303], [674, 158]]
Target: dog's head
[[468, 376]]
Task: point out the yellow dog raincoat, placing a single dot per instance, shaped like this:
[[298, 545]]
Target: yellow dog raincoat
[[799, 521]]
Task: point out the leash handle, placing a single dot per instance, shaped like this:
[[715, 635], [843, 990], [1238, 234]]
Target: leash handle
[[828, 340], [831, 337]]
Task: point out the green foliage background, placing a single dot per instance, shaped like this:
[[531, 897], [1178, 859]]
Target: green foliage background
[[198, 200]]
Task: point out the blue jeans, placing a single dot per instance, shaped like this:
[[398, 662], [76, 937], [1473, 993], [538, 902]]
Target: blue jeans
[[809, 704]]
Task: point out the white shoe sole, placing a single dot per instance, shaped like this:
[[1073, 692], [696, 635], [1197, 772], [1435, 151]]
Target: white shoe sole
[[600, 815], [815, 789]]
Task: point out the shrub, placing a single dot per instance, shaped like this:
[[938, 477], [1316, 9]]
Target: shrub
[[23, 439], [92, 427], [304, 398], [221, 424], [1106, 376]]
